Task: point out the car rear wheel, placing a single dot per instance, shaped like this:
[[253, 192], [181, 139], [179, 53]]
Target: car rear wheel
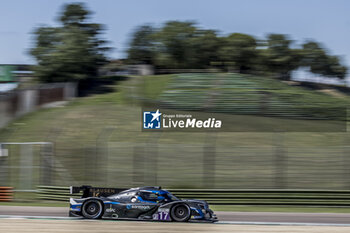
[[180, 213], [92, 209]]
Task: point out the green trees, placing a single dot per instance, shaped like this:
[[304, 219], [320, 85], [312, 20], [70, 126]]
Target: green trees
[[279, 58], [174, 44], [240, 50], [71, 52], [182, 45], [177, 45], [74, 51], [315, 57], [141, 46], [204, 48]]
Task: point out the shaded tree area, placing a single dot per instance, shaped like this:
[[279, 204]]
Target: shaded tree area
[[141, 46], [72, 51], [315, 57], [279, 58], [240, 52], [178, 45], [183, 45]]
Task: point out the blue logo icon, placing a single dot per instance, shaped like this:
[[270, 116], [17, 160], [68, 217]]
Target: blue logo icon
[[128, 207], [151, 120]]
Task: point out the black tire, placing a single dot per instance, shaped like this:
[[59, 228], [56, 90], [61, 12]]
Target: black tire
[[92, 209], [180, 213]]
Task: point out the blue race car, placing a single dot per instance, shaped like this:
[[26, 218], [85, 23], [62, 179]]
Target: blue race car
[[143, 203]]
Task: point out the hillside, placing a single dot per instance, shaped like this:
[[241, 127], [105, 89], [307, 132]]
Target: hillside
[[101, 133]]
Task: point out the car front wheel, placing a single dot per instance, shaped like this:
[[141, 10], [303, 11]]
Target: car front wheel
[[180, 213]]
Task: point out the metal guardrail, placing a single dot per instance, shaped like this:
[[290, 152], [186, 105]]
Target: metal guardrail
[[55, 193], [268, 197], [234, 196], [6, 193]]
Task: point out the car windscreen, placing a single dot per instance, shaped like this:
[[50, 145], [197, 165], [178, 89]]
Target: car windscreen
[[149, 196], [171, 197]]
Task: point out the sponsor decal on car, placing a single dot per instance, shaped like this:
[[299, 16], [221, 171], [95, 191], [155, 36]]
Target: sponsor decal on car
[[110, 210], [141, 207], [162, 214]]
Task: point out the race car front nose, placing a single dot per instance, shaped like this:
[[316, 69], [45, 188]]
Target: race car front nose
[[209, 215]]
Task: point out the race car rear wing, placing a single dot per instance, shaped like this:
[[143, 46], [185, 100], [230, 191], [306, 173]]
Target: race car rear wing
[[89, 191]]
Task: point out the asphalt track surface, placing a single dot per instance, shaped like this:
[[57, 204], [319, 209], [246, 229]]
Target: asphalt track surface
[[255, 218], [94, 226], [26, 219]]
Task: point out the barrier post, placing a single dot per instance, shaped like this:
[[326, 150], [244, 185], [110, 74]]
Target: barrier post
[[6, 193]]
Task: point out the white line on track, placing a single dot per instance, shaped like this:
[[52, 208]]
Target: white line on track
[[283, 223], [14, 217], [38, 217]]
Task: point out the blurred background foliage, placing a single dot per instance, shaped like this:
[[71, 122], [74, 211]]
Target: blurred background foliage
[[183, 45], [73, 51]]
